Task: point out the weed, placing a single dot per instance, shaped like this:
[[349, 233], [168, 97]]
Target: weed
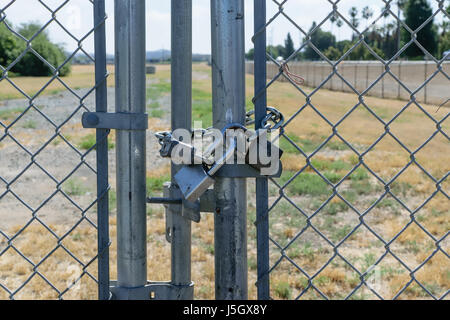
[[252, 263], [341, 233], [283, 290], [30, 125], [306, 183], [154, 105], [337, 146], [361, 187], [10, 113], [333, 177], [156, 113], [89, 141], [74, 187], [334, 208], [359, 175], [112, 199], [305, 145], [157, 90], [76, 237], [156, 184], [400, 188]]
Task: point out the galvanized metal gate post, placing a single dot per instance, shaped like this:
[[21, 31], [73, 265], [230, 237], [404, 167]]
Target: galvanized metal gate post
[[131, 145], [181, 60], [262, 189], [228, 69]]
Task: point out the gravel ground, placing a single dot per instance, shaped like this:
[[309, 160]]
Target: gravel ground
[[23, 169]]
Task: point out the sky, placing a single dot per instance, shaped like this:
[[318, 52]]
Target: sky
[[76, 16]]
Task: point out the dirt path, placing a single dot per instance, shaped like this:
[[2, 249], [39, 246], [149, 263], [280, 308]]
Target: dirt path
[[34, 171]]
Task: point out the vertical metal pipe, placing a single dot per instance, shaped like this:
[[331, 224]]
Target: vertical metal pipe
[[101, 104], [230, 223], [131, 145], [262, 189], [181, 118]]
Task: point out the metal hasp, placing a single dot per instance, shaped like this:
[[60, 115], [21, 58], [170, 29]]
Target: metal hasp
[[131, 148], [230, 222]]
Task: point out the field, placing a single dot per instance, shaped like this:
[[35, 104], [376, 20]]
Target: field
[[293, 231]]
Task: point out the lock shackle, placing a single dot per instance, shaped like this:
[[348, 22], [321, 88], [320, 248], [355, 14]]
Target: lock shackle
[[226, 156]]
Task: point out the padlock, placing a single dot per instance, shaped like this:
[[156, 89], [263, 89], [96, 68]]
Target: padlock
[[195, 180], [253, 149]]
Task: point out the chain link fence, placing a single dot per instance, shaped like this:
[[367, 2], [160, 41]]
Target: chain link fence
[[48, 169], [362, 209]]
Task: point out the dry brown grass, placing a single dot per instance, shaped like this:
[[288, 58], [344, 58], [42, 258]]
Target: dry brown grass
[[82, 76], [362, 249]]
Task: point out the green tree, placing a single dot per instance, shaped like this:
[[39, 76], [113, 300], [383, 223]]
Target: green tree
[[367, 14], [333, 53], [250, 55], [288, 47], [30, 64], [322, 40], [275, 51], [444, 38], [353, 12], [8, 46], [362, 53], [339, 24], [416, 13]]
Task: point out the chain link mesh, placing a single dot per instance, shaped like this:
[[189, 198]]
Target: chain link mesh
[[48, 196], [362, 209]]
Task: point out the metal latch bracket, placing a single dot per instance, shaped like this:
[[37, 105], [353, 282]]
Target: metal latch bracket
[[116, 121]]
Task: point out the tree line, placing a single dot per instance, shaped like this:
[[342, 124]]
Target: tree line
[[384, 41], [30, 64]]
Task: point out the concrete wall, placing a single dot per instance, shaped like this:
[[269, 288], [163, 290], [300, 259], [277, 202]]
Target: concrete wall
[[363, 75]]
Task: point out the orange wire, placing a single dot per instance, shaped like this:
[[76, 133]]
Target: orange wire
[[294, 77]]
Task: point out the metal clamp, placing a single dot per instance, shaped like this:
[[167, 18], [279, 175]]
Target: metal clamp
[[116, 121]]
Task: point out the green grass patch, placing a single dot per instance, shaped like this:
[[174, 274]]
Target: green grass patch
[[158, 90], [333, 177], [156, 184], [337, 165], [306, 145], [359, 175], [202, 106], [74, 187], [156, 113], [400, 188], [337, 146], [112, 199], [154, 105], [339, 233], [306, 183], [89, 141], [336, 207], [388, 203], [30, 125], [361, 187], [9, 114], [283, 290]]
